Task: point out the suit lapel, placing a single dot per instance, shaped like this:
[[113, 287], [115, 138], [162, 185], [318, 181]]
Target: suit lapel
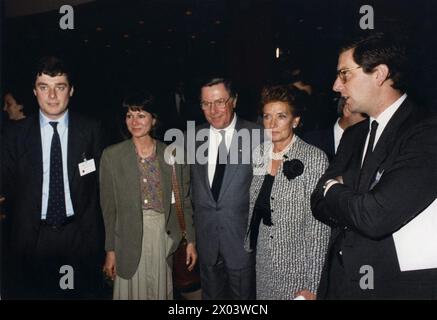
[[33, 147], [203, 168], [331, 143], [76, 152], [129, 170], [166, 176], [231, 169], [383, 146], [352, 166]]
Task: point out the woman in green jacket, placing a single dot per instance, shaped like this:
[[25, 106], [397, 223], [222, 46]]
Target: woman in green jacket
[[137, 200]]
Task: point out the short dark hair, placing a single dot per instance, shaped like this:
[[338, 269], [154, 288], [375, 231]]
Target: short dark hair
[[380, 48], [212, 81], [54, 66], [284, 93], [141, 101]]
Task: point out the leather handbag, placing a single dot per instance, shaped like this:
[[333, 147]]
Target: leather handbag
[[183, 279]]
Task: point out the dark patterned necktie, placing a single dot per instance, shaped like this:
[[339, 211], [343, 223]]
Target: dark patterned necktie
[[220, 166], [56, 211], [369, 150]]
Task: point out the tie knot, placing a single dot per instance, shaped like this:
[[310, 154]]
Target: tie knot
[[223, 138], [374, 125], [54, 124]]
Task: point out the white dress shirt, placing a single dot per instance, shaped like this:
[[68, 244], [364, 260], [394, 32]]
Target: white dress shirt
[[338, 133], [214, 141], [46, 141], [382, 120]]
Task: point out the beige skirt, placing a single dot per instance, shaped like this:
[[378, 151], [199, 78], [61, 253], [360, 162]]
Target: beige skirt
[[153, 278]]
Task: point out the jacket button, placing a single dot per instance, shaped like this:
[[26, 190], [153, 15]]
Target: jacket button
[[168, 231]]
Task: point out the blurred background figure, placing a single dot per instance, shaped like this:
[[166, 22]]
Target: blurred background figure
[[13, 105], [328, 139], [290, 243], [179, 104], [2, 216], [317, 108], [175, 107]]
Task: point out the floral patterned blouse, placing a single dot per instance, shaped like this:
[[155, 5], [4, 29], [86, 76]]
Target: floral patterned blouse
[[150, 182]]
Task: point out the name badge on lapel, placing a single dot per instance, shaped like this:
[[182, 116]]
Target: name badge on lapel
[[87, 166]]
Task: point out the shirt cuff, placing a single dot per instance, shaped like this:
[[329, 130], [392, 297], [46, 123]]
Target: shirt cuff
[[328, 184]]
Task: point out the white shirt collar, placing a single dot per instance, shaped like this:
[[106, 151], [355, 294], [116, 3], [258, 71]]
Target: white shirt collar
[[229, 129], [338, 132], [386, 115], [384, 118], [44, 120]]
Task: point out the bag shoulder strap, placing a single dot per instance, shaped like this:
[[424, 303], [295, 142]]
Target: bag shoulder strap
[[178, 202]]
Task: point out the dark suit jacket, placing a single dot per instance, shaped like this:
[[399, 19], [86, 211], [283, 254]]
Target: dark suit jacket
[[322, 139], [221, 226], [171, 118], [23, 176], [366, 212]]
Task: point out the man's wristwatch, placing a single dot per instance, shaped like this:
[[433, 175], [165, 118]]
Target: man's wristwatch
[[328, 184]]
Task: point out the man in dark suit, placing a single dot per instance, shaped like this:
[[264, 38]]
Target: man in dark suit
[[51, 187], [220, 194], [328, 140], [179, 106], [383, 176]]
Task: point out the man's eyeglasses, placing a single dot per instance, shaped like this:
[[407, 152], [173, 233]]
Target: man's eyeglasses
[[219, 103], [343, 73]]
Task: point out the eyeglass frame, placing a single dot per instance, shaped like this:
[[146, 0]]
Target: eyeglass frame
[[341, 74], [216, 103]]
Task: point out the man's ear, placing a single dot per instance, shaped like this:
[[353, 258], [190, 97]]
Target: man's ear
[[34, 92], [382, 73], [71, 91]]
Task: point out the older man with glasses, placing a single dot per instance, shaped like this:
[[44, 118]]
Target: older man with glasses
[[220, 195]]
